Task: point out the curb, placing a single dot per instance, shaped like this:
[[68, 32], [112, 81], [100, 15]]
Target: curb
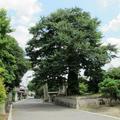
[[10, 113]]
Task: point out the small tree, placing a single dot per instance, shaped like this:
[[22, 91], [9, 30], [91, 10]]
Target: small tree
[[113, 73], [110, 88], [11, 55], [2, 88], [2, 92], [83, 88], [2, 95]]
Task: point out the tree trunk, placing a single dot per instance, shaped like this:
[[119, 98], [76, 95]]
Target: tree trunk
[[73, 82]]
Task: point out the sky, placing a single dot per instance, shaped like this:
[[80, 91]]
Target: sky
[[25, 13]]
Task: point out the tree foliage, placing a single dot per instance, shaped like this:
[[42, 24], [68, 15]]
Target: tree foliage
[[83, 88], [31, 86], [65, 42], [4, 23], [2, 87], [11, 55], [110, 88], [113, 73], [2, 91], [35, 87]]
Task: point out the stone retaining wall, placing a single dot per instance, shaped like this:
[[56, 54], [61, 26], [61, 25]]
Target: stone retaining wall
[[64, 101], [77, 102], [88, 102]]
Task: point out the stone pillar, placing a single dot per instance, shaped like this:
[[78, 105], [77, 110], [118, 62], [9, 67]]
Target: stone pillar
[[21, 96], [77, 103], [16, 96], [45, 89], [64, 90]]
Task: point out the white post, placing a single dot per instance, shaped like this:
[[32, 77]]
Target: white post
[[77, 103], [15, 96]]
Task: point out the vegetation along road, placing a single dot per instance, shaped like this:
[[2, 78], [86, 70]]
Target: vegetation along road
[[32, 109]]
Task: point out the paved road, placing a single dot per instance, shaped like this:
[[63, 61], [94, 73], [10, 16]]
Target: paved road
[[32, 109]]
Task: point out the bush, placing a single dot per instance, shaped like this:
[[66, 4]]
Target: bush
[[2, 92], [83, 88], [110, 88]]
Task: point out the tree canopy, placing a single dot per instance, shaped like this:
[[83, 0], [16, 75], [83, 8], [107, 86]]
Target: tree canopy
[[11, 55], [65, 42]]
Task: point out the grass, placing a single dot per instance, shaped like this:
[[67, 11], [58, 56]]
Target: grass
[[107, 110], [103, 109], [3, 117]]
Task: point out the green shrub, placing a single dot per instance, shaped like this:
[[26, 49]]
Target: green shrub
[[2, 92], [83, 88], [110, 88]]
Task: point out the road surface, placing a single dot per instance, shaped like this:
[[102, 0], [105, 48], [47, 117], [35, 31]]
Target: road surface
[[33, 109]]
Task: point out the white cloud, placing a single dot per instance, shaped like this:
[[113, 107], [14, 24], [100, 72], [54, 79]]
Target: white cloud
[[113, 41], [21, 35], [22, 8], [113, 25], [107, 3], [23, 17], [116, 61], [27, 78]]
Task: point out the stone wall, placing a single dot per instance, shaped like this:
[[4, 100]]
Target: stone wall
[[65, 101], [88, 102], [78, 102]]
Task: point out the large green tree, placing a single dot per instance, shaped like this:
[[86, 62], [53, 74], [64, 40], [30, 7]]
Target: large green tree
[[65, 42], [11, 55]]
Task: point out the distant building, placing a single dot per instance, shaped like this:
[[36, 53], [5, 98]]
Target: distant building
[[21, 93]]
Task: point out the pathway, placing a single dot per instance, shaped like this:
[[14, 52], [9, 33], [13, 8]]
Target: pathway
[[33, 109]]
